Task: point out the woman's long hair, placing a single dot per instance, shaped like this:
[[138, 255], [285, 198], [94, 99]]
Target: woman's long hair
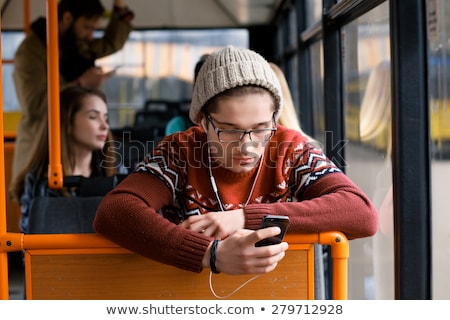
[[375, 113], [71, 101], [288, 117]]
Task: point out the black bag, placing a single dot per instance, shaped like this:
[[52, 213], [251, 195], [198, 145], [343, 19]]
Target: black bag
[[72, 214]]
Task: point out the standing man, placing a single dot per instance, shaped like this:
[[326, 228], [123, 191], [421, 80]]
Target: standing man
[[78, 50]]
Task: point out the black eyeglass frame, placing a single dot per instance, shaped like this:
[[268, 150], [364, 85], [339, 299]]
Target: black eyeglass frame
[[243, 132]]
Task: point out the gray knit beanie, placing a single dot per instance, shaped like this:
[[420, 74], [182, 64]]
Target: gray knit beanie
[[229, 68]]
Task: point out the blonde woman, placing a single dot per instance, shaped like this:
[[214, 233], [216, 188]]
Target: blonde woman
[[375, 113], [288, 117]]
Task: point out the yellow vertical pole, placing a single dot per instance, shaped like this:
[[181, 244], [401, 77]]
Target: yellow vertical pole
[[339, 256], [55, 177], [26, 16], [340, 278], [4, 285]]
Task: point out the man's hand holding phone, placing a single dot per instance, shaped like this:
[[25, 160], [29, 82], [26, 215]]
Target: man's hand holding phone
[[94, 77], [237, 253], [273, 221]]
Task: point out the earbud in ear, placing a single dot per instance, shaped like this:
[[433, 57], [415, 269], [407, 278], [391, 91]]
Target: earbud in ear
[[203, 123]]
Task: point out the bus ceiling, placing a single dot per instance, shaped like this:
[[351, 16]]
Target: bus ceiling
[[157, 14]]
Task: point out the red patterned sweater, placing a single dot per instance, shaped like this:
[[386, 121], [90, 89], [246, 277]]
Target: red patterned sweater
[[296, 179]]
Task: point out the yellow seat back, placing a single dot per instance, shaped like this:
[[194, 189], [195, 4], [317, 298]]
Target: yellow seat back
[[87, 266]]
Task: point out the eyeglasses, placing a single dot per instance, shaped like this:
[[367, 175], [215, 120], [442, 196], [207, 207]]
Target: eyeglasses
[[236, 135]]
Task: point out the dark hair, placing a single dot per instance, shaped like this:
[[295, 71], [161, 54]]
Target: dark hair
[[81, 8]]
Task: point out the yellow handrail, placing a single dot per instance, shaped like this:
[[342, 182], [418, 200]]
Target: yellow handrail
[[55, 168], [338, 243], [3, 227], [26, 16], [55, 176]]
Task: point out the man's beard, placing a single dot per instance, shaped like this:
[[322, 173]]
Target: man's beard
[[72, 63], [69, 39]]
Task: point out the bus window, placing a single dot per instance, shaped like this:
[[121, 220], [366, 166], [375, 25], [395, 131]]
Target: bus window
[[367, 94]]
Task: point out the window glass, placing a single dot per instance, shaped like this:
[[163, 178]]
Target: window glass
[[159, 64], [292, 78], [292, 27], [10, 42], [317, 91], [439, 90], [367, 110], [313, 12]]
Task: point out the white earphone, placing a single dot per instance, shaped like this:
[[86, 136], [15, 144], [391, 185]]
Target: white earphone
[[203, 122]]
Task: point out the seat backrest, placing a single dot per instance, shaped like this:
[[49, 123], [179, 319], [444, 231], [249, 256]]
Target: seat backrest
[[91, 267], [12, 208], [74, 214], [151, 119], [69, 274], [157, 113], [132, 145], [153, 123], [63, 214]]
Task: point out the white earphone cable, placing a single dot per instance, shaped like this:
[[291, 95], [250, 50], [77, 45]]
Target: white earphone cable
[[234, 291]]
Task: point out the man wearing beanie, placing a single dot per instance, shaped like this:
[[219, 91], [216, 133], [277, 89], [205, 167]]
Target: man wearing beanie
[[198, 199]]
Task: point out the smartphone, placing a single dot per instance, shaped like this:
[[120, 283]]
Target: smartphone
[[117, 67], [113, 70], [273, 221]]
